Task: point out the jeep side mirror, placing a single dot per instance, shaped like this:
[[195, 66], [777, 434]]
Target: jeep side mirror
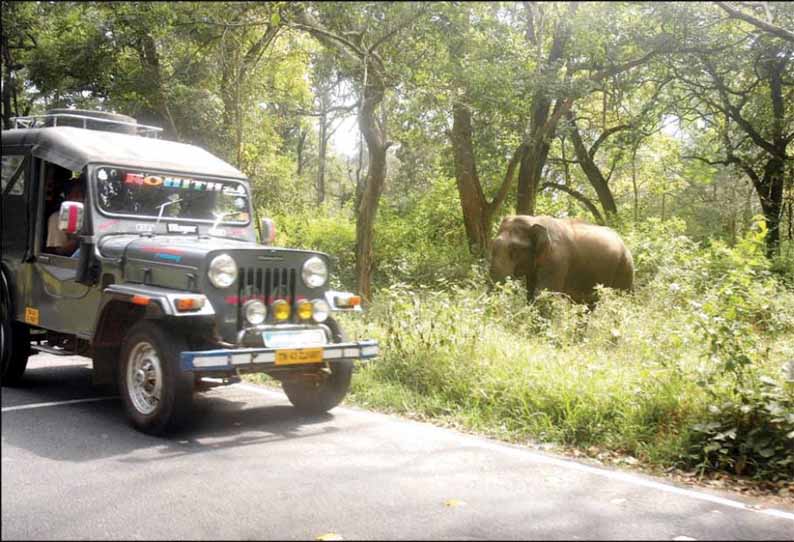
[[268, 231], [70, 218]]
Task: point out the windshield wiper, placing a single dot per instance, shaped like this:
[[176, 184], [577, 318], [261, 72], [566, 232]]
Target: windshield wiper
[[218, 218], [162, 207]]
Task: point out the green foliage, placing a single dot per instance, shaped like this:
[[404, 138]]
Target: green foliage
[[644, 375], [750, 427], [331, 232]]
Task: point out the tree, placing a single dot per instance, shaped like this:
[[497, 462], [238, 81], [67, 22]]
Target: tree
[[745, 95], [17, 38], [361, 59]]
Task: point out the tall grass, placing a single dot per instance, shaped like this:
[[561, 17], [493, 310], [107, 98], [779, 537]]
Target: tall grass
[[688, 371], [691, 370]]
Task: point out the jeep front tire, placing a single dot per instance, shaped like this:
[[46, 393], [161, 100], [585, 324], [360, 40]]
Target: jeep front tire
[[317, 396], [14, 340], [157, 394]]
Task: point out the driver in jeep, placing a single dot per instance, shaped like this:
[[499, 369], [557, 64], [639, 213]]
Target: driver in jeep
[[59, 242]]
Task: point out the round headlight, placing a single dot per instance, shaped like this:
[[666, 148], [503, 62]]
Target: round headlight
[[222, 271], [315, 272], [255, 312], [321, 310]]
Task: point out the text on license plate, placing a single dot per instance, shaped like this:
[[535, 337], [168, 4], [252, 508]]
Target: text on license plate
[[297, 356]]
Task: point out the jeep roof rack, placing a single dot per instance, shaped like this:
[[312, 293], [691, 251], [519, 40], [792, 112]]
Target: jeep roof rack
[[88, 121]]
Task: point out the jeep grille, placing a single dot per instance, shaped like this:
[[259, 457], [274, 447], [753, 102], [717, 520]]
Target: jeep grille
[[266, 285]]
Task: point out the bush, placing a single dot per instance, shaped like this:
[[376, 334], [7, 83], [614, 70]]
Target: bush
[[685, 372], [331, 232]]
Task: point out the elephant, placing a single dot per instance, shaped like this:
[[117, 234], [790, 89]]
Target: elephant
[[561, 255]]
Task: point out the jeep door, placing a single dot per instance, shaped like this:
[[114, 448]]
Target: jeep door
[[63, 305], [14, 221]]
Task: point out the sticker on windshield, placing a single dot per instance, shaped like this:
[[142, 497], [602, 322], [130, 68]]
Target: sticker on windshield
[[172, 197], [179, 183], [233, 191], [182, 228]]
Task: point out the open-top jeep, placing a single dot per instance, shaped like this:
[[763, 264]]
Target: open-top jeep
[[167, 287]]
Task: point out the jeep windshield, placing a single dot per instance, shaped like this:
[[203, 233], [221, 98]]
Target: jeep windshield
[[140, 194]]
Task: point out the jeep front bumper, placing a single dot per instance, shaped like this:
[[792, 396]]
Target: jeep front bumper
[[263, 359]]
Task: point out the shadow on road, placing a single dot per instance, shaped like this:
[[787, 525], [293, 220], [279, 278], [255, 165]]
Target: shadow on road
[[222, 418]]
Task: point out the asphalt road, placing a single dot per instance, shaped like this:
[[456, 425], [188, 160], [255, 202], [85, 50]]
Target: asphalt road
[[249, 467]]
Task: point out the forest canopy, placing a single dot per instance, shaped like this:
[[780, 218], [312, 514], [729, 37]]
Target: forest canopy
[[610, 111]]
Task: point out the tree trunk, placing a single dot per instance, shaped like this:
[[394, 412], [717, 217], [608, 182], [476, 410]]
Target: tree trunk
[[300, 148], [593, 173], [374, 134], [9, 86], [359, 167], [529, 175], [542, 125], [478, 213], [472, 200], [770, 192], [634, 183], [321, 152], [151, 61], [365, 221]]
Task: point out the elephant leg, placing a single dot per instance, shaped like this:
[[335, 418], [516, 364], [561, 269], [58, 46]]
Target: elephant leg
[[531, 287], [551, 279]]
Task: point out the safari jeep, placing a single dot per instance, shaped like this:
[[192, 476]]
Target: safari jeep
[[168, 291]]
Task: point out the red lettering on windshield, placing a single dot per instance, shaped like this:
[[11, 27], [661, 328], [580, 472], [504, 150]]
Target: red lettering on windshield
[[133, 178]]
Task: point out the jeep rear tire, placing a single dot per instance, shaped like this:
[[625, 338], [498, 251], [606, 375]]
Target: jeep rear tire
[[312, 396], [157, 394], [14, 340]]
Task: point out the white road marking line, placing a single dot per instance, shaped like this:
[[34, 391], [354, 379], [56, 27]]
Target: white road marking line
[[57, 403], [614, 475]]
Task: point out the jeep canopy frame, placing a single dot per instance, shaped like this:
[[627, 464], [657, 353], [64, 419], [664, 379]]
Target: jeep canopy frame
[[75, 148], [51, 119]]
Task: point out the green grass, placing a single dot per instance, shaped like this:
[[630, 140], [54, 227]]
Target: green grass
[[696, 344], [685, 372]]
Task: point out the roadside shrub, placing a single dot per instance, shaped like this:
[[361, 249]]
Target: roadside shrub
[[750, 421], [325, 230], [683, 372]]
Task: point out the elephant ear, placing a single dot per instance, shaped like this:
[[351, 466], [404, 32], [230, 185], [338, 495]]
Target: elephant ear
[[540, 240], [530, 234], [530, 243]]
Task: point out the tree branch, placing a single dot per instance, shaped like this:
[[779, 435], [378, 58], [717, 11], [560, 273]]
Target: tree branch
[[726, 162], [758, 23], [603, 137], [578, 196], [335, 109], [736, 114], [501, 194], [398, 28]]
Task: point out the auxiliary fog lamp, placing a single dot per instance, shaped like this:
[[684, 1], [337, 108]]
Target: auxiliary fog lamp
[[281, 310]]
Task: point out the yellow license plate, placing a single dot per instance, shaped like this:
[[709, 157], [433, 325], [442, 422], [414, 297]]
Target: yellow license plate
[[298, 356]]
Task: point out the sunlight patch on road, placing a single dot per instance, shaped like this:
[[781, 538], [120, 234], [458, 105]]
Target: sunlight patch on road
[[330, 536]]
